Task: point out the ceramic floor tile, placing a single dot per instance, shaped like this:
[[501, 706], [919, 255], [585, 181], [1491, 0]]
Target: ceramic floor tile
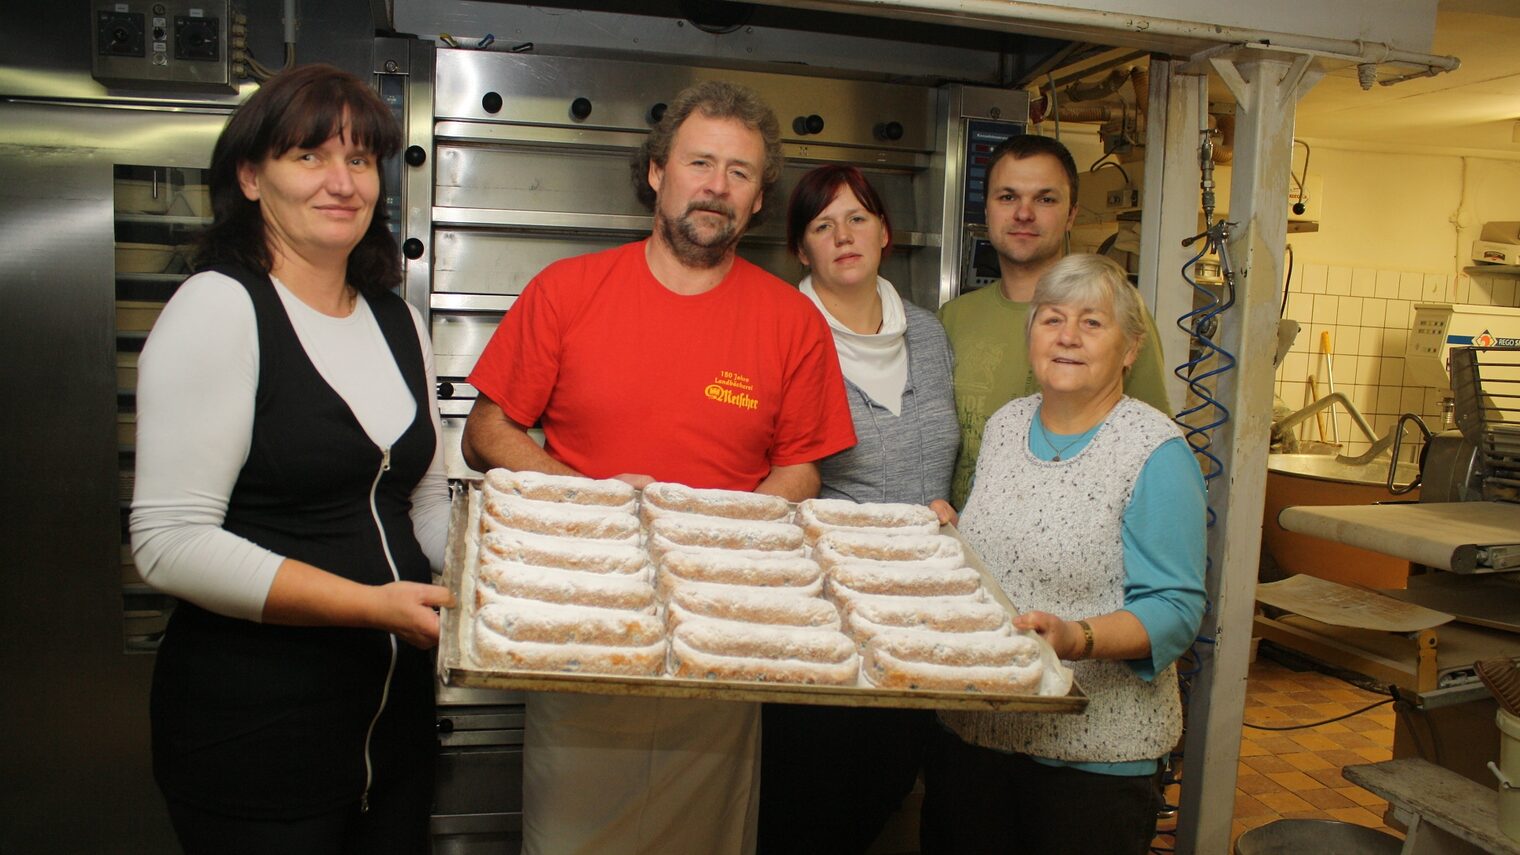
[[1301, 713], [1283, 802], [1352, 740], [1268, 763], [1362, 722], [1358, 815], [1375, 754], [1248, 806], [1278, 744], [1308, 698], [1294, 782], [1307, 814], [1325, 798], [1314, 741], [1304, 761], [1362, 797], [1250, 748], [1254, 784], [1296, 773], [1330, 777], [1342, 756]]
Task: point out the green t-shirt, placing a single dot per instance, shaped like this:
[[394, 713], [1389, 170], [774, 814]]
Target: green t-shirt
[[986, 333]]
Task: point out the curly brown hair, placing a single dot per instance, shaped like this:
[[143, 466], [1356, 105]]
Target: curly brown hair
[[716, 99]]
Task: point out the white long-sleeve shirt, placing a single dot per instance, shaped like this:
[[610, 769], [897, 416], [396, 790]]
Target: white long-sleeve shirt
[[196, 381]]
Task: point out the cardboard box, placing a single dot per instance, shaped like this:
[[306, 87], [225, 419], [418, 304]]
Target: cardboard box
[[1501, 231]]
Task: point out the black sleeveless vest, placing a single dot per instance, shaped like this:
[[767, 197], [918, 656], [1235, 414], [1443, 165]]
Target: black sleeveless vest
[[259, 720]]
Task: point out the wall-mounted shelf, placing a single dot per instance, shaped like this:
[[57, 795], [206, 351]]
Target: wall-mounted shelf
[[1493, 270]]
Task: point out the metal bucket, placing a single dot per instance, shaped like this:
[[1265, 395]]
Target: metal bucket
[[1509, 767], [1321, 836]]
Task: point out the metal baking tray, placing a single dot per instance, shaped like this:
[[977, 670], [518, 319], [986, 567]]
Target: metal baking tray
[[458, 575]]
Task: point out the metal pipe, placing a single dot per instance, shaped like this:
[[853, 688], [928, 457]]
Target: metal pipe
[[1001, 14]]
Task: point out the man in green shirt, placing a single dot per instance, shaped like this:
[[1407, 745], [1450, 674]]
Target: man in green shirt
[[1031, 205]]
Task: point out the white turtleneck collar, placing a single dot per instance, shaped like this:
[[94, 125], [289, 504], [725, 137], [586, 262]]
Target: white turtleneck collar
[[876, 362]]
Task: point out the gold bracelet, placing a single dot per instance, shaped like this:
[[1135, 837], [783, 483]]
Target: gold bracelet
[[1087, 640]]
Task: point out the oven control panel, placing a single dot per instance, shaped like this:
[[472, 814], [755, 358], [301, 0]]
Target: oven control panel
[[162, 44]]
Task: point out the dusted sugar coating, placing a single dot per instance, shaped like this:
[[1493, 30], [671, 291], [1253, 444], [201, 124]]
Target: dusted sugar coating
[[729, 569], [915, 660], [551, 584], [728, 638], [868, 616], [752, 605], [842, 546], [660, 546], [543, 487], [666, 583], [733, 504], [908, 580], [553, 623], [697, 664], [848, 598], [722, 533], [566, 553], [821, 516], [558, 518], [723, 650], [496, 652]]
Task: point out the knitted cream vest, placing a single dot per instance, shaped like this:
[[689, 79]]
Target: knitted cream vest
[[1051, 533]]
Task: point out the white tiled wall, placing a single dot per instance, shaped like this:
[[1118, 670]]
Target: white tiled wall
[[1368, 314]]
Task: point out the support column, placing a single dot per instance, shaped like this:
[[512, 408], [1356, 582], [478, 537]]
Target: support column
[[1170, 208], [1266, 89]]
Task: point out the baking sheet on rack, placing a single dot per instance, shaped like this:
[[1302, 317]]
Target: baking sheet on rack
[[457, 624]]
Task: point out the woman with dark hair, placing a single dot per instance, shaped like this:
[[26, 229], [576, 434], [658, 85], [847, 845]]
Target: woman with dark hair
[[290, 493], [831, 776]]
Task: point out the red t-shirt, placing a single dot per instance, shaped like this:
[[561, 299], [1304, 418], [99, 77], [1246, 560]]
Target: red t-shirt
[[624, 375]]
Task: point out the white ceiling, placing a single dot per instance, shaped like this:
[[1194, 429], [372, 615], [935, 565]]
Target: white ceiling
[[1476, 107]]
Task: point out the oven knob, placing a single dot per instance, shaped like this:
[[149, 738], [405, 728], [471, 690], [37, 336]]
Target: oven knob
[[491, 102], [411, 248], [888, 131], [656, 113], [804, 125], [415, 155], [580, 108], [445, 389], [445, 726]]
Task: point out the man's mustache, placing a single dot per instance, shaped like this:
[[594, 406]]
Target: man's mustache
[[712, 208]]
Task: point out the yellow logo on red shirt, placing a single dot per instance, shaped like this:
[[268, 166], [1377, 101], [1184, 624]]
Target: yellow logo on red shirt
[[731, 387]]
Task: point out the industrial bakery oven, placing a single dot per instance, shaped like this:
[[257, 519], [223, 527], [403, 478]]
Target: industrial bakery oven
[[523, 159]]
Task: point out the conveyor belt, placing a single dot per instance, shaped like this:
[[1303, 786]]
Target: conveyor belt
[[1463, 537]]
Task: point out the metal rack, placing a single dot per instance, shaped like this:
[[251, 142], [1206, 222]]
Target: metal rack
[[1486, 385]]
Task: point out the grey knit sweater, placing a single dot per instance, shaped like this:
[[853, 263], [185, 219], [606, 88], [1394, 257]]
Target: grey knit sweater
[[907, 457], [1051, 532]]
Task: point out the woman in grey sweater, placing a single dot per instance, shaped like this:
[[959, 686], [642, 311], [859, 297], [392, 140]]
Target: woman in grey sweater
[[831, 776]]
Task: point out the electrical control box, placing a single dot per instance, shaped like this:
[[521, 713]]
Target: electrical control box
[[1438, 327], [162, 44]]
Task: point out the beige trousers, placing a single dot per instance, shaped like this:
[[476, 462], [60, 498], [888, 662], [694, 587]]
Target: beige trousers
[[611, 775]]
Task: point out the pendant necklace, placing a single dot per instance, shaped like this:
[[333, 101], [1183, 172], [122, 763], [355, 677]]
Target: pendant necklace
[[1045, 435]]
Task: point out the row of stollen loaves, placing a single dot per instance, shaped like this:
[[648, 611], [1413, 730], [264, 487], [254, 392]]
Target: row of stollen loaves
[[591, 576]]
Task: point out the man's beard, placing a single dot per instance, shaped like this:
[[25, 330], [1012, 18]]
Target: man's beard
[[694, 249]]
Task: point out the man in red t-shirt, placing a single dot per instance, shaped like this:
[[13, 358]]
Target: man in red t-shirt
[[669, 359]]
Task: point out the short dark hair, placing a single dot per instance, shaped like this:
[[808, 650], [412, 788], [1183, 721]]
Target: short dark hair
[[302, 107], [716, 99], [817, 189], [1020, 146]]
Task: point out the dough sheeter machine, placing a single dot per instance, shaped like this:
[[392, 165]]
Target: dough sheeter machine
[[1463, 602]]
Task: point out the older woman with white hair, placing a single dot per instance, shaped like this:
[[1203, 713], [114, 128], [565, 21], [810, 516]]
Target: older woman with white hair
[[1088, 507]]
